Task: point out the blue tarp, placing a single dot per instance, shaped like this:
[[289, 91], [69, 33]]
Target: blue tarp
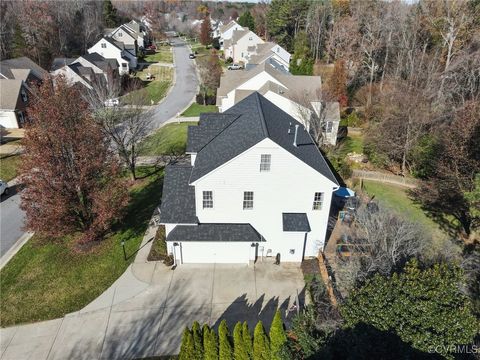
[[344, 192]]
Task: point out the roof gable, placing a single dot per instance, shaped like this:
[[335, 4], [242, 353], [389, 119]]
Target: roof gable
[[257, 119]]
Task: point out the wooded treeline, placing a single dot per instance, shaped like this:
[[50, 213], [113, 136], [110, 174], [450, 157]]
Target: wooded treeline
[[44, 29], [412, 73]]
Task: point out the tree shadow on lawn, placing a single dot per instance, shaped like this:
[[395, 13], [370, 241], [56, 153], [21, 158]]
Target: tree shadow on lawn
[[142, 205]]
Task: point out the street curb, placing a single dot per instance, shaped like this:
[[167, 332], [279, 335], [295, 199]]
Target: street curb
[[14, 249]]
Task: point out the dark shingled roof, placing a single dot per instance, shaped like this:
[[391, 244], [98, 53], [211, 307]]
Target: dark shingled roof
[[215, 232], [257, 119], [209, 126], [295, 222], [178, 199]]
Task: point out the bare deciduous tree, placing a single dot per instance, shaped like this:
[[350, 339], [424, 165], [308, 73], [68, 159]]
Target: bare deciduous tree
[[380, 242]]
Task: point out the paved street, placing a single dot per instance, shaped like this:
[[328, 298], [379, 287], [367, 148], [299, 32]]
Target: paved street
[[179, 97], [145, 311], [11, 220], [184, 89]]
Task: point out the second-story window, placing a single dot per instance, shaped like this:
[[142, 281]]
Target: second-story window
[[208, 199], [265, 161], [248, 200], [104, 45], [120, 34], [318, 201], [329, 126]]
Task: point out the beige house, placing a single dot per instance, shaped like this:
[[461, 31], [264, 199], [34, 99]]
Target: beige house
[[16, 77]]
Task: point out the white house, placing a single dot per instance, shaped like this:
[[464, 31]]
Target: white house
[[298, 95], [111, 49], [226, 32], [139, 30], [269, 50], [256, 186], [241, 45], [126, 36]]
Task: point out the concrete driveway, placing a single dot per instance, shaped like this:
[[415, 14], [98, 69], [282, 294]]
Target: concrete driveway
[[145, 311]]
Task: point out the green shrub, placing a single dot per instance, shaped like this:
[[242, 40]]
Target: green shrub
[[158, 251], [210, 343], [197, 340], [239, 349], [277, 335], [187, 349], [261, 345], [224, 346]]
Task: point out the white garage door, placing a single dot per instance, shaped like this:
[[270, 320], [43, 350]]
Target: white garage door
[[215, 252]]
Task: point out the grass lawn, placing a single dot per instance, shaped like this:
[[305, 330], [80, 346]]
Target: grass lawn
[[396, 198], [8, 166], [48, 278], [196, 109], [171, 138], [163, 54], [154, 90], [352, 143]]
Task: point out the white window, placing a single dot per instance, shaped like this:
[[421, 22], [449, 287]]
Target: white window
[[248, 200], [265, 161], [120, 34], [318, 201], [250, 38], [207, 199], [104, 45], [124, 65], [329, 126]]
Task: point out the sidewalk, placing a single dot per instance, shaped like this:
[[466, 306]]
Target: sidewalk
[[82, 334]]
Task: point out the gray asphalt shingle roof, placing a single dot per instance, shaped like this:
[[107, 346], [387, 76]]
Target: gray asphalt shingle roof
[[295, 222], [178, 198], [215, 232], [201, 134], [258, 119]]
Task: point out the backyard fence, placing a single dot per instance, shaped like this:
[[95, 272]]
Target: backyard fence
[[385, 178]]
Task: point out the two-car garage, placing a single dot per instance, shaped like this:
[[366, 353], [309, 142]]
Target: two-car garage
[[213, 243]]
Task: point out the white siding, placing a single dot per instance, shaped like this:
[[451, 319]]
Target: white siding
[[8, 119], [240, 52], [289, 186], [287, 105], [110, 52], [212, 252]]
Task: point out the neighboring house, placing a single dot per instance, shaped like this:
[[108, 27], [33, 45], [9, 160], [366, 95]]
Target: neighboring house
[[256, 186], [298, 95], [17, 76], [60, 62], [76, 74], [216, 26], [140, 31], [241, 45], [226, 32], [91, 72], [111, 49], [269, 50], [126, 36]]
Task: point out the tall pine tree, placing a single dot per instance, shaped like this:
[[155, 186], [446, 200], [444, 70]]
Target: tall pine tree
[[210, 343], [247, 20], [239, 350], [277, 335], [261, 346], [247, 339], [197, 340], [187, 349], [110, 18], [225, 348]]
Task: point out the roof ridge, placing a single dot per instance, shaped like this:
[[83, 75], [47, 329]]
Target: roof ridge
[[225, 128], [262, 115]]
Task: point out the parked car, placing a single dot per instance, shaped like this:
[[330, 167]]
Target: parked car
[[192, 56], [112, 102], [3, 188], [235, 67]]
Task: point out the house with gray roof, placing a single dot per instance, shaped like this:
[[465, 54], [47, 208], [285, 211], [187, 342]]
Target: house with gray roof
[[109, 48], [299, 95], [256, 187], [17, 76], [268, 50]]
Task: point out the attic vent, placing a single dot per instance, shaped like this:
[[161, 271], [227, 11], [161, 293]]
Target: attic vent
[[296, 133], [289, 126]]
